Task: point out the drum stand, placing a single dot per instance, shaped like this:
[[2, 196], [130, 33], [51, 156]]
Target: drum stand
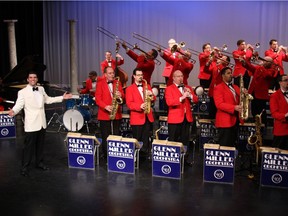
[[58, 121]]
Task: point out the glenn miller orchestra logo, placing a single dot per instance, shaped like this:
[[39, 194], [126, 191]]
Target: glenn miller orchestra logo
[[219, 174], [120, 164], [276, 178], [166, 169], [81, 160]]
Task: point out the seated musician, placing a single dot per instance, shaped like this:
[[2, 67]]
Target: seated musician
[[279, 111], [91, 82]]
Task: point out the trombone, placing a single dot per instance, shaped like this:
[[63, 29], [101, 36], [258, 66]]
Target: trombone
[[113, 36], [157, 46], [177, 48]]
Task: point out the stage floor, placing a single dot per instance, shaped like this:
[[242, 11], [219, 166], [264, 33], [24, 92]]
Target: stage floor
[[66, 191]]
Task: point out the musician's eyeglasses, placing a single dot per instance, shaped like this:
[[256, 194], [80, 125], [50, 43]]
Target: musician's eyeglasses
[[285, 80]]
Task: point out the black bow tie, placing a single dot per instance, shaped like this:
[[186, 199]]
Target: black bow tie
[[230, 84], [108, 82], [140, 85], [93, 81], [285, 93], [180, 86], [35, 88]]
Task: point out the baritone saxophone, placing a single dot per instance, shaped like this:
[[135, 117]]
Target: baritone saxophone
[[245, 100]]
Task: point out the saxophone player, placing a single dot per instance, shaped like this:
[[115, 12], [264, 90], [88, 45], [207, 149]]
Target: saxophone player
[[138, 99], [108, 90], [279, 111], [226, 97]]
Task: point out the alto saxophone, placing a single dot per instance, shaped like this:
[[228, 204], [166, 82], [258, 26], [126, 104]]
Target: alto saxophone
[[245, 100], [116, 101], [147, 98]]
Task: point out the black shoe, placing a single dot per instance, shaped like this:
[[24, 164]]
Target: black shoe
[[42, 167], [189, 163], [24, 172]]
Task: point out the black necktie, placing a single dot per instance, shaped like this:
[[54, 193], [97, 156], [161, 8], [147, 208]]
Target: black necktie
[[35, 88]]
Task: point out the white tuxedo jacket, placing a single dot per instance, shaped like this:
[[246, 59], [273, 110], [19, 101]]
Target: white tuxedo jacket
[[33, 106]]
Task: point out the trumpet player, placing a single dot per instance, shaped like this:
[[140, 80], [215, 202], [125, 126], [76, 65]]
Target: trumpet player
[[278, 54], [106, 90], [181, 63], [214, 67], [145, 61], [204, 59], [178, 97], [259, 86], [139, 97], [244, 51]]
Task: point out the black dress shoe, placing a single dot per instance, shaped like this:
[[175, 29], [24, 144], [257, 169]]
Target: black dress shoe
[[189, 163], [24, 173], [42, 167]]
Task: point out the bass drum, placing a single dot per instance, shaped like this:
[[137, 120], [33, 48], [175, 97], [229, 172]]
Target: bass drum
[[74, 119]]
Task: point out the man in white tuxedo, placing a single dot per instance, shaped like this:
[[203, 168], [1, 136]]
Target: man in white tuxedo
[[32, 99]]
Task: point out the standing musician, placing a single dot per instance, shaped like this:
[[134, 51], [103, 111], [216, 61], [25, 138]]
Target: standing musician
[[243, 52], [107, 90], [214, 69], [259, 87], [278, 54], [144, 61], [226, 97], [169, 67], [204, 75], [179, 97], [110, 62], [139, 97], [279, 111], [181, 63]]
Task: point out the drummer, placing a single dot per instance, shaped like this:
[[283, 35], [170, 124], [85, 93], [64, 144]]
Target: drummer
[[90, 86]]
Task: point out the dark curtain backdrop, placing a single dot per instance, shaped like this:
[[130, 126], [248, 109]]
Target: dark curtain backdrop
[[28, 31]]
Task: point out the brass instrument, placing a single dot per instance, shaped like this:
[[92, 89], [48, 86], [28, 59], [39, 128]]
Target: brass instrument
[[156, 133], [177, 48], [147, 98], [116, 101], [245, 100], [256, 139], [137, 47]]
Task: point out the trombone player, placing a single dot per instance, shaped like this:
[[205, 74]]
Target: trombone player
[[182, 63], [139, 97], [145, 61]]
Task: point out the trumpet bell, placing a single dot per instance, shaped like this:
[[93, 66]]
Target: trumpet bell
[[199, 90], [257, 45], [182, 44]]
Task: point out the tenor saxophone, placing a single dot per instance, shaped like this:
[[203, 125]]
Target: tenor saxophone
[[245, 100], [116, 101], [147, 98]]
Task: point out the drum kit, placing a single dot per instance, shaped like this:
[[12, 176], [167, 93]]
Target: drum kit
[[78, 112]]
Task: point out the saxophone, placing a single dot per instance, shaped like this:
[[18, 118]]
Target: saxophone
[[245, 100], [256, 139], [116, 101], [147, 98]]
